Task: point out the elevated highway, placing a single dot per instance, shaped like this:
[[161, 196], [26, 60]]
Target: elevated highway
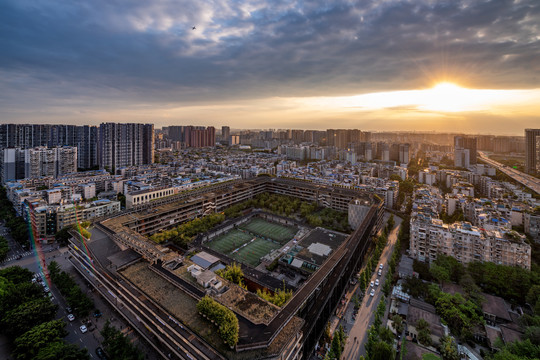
[[525, 179]]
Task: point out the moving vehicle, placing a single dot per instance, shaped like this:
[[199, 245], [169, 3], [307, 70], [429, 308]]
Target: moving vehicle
[[71, 317], [83, 328]]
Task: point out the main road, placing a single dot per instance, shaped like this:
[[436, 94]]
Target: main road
[[366, 315], [525, 179]]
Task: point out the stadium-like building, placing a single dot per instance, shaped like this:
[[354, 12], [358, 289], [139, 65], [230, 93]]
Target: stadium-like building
[[119, 253]]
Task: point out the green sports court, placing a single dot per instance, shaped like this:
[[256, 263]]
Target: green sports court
[[279, 233], [252, 240]]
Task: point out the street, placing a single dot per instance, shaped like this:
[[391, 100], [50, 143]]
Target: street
[[16, 251], [357, 336]]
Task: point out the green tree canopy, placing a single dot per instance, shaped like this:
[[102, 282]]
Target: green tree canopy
[[117, 345], [29, 344], [25, 316], [60, 350], [382, 351], [448, 349]]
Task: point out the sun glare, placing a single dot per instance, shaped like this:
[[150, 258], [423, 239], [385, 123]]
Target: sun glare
[[447, 97]]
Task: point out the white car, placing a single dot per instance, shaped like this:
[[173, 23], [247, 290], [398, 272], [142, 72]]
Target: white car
[[377, 282], [71, 317], [379, 272], [372, 284], [83, 329], [381, 266], [372, 293]]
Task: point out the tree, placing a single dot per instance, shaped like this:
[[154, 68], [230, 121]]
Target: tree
[[440, 273], [28, 345], [397, 323], [279, 298], [520, 350], [424, 334], [232, 273], [533, 334], [382, 351], [336, 347], [533, 298], [54, 270], [122, 198], [448, 349], [4, 248], [63, 236], [61, 350], [224, 318], [117, 345], [391, 222], [25, 316], [16, 274], [386, 335], [17, 294]]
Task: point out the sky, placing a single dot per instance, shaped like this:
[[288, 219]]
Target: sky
[[418, 65]]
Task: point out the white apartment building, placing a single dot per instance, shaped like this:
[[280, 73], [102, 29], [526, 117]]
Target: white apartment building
[[145, 196], [466, 243], [69, 214]]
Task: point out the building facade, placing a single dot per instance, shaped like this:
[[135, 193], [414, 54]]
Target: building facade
[[123, 145], [467, 243], [532, 151], [465, 151]]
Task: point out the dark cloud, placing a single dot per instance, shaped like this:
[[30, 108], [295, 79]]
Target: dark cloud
[[123, 52]]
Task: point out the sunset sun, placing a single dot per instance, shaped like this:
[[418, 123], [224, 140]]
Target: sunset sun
[[447, 97]]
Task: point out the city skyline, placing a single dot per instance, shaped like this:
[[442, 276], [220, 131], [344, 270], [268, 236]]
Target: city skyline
[[371, 66]]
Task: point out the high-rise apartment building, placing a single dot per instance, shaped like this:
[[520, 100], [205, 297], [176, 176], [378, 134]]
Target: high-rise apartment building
[[532, 151], [122, 145], [464, 151], [225, 135], [193, 136], [87, 139], [49, 162], [12, 164], [26, 136], [404, 154], [340, 138]]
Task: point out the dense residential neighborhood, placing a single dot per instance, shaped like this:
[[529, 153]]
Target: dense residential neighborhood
[[284, 244]]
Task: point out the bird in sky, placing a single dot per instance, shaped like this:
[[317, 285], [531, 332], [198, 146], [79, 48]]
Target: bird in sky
[[193, 28]]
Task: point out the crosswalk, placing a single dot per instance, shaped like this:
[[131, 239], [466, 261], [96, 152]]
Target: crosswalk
[[14, 257]]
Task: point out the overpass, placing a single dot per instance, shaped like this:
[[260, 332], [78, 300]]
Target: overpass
[[525, 179]]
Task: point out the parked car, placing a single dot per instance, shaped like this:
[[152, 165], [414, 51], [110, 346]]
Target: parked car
[[100, 353], [83, 328], [372, 284], [372, 293], [377, 282], [379, 272], [381, 266]]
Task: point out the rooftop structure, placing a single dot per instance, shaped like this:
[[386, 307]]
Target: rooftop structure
[[338, 255]]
